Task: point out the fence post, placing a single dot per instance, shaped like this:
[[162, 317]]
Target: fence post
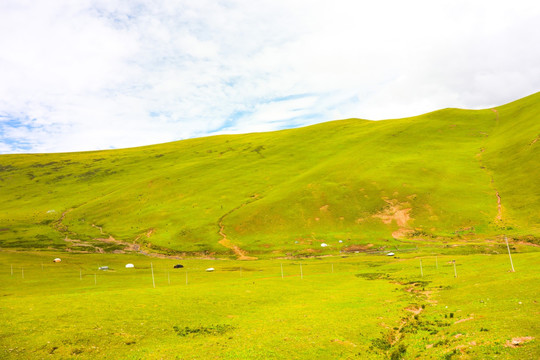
[[510, 255]]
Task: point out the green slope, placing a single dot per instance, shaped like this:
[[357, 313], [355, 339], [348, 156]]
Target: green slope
[[434, 176]]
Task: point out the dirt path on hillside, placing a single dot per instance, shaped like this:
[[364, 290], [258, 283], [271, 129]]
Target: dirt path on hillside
[[499, 205], [133, 247], [496, 116], [240, 254], [98, 227], [499, 216], [75, 245], [58, 225], [80, 246], [128, 247]]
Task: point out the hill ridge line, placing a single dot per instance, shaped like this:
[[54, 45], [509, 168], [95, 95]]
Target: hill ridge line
[[455, 174]]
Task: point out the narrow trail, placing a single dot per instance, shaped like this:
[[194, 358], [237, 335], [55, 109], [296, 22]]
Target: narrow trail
[[58, 225], [499, 216], [98, 227], [89, 247], [496, 116], [133, 247], [499, 203], [240, 254], [499, 206]]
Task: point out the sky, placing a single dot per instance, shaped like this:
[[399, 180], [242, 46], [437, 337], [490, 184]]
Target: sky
[[102, 74]]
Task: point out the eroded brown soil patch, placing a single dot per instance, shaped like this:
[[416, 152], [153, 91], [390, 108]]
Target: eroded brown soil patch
[[240, 254], [359, 248], [518, 341], [396, 212], [344, 342], [414, 310], [463, 320]]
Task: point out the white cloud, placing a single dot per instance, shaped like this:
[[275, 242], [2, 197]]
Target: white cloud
[[80, 75]]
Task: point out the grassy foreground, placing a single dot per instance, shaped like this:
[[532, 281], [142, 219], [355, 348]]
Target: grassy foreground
[[361, 306]]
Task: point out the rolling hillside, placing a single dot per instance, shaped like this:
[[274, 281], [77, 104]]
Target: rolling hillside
[[468, 174]]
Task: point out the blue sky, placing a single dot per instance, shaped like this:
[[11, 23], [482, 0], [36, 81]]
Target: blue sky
[[100, 74]]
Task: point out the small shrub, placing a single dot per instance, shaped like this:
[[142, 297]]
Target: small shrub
[[399, 352], [203, 330], [441, 343], [381, 343], [371, 276], [450, 355], [77, 351]]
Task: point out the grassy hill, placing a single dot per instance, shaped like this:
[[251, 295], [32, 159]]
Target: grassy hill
[[468, 174]]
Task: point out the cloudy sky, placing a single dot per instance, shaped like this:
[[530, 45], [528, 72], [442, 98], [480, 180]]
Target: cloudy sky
[[100, 74]]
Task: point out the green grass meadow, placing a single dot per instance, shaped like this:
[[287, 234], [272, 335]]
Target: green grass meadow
[[338, 307], [444, 186], [283, 193]]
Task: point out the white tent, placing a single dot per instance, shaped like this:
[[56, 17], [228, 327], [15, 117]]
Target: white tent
[[324, 245], [390, 254], [130, 266], [210, 269]]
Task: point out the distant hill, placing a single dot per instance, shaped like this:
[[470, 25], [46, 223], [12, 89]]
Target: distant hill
[[447, 174]]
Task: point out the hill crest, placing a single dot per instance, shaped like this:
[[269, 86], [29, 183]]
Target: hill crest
[[451, 173]]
